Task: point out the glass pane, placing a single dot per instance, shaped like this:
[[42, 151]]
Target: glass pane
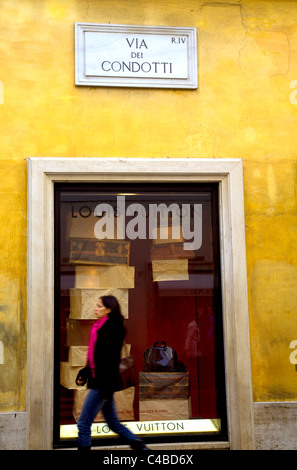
[[156, 248]]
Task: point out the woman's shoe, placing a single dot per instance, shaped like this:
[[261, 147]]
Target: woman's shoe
[[139, 445]]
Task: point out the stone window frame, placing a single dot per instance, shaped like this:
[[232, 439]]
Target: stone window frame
[[228, 173]]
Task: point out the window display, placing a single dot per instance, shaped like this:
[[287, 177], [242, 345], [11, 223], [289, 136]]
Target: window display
[[155, 247]]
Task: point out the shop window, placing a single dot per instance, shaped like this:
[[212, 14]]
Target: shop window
[[156, 248]]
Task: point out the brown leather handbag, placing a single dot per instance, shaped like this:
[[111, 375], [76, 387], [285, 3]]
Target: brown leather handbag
[[128, 376]]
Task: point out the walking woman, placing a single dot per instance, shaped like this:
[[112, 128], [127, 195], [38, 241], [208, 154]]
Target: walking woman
[[101, 374]]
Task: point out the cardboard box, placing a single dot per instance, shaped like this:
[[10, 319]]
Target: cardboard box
[[68, 375], [170, 270], [78, 332], [104, 277], [77, 355], [163, 409], [164, 385], [123, 401], [83, 301], [80, 225]]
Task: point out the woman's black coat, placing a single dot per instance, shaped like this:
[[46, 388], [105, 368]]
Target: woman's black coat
[[107, 357]]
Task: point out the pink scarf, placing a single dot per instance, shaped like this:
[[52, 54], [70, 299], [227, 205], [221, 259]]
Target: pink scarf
[[92, 343]]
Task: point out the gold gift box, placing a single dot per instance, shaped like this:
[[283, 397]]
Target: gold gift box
[[78, 332], [68, 374], [104, 277], [77, 355], [83, 301]]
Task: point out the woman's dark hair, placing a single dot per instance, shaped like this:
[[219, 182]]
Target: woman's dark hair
[[109, 301]]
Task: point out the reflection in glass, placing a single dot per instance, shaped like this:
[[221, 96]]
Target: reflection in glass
[[156, 248]]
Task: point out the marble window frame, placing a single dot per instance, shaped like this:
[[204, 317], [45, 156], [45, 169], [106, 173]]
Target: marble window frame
[[43, 173]]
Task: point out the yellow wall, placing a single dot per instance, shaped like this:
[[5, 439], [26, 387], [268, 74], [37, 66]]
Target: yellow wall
[[244, 108]]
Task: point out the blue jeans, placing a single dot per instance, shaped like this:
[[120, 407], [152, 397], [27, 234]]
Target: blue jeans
[[91, 407]]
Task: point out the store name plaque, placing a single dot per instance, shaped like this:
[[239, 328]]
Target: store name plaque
[[135, 56]]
